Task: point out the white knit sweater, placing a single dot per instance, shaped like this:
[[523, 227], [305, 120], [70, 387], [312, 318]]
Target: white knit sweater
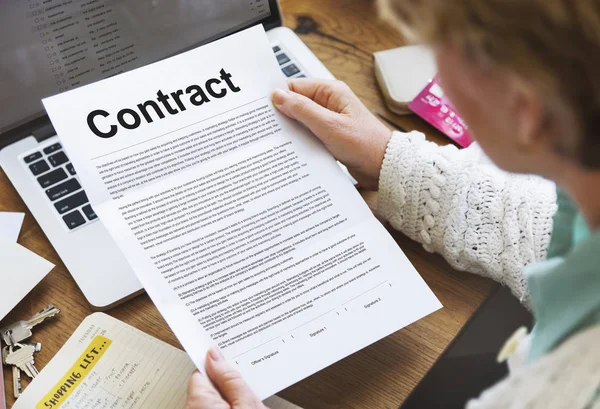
[[486, 221]]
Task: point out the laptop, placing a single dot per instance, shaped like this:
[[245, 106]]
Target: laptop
[[468, 366], [48, 47]]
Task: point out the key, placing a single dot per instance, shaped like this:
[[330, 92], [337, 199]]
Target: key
[[65, 188], [39, 167], [51, 178], [58, 159], [34, 156], [7, 350], [71, 169], [89, 212], [73, 219], [21, 330], [52, 148], [22, 357], [16, 372], [282, 58], [290, 70], [17, 389], [71, 202]]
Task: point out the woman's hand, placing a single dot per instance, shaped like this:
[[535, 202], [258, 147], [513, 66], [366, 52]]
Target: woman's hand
[[346, 127], [229, 390]]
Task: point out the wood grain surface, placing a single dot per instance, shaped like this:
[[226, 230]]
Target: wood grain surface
[[343, 34]]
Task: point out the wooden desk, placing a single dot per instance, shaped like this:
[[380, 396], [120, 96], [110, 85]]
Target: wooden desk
[[344, 34]]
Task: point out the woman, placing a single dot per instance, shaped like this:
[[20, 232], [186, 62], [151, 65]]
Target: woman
[[525, 75]]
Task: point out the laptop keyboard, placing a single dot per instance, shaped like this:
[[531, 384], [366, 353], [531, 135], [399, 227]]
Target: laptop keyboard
[[56, 175], [289, 68]]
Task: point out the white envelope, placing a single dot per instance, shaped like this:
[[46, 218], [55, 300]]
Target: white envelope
[[20, 271]]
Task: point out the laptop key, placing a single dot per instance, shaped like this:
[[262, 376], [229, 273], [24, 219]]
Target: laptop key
[[282, 58], [276, 49], [71, 202], [52, 148], [58, 159], [52, 178], [71, 169], [34, 156], [89, 212], [290, 70], [65, 188], [74, 219], [39, 167]]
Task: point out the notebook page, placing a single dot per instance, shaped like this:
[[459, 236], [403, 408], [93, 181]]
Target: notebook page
[[109, 364]]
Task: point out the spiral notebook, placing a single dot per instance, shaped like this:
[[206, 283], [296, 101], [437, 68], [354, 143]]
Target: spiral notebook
[[109, 364]]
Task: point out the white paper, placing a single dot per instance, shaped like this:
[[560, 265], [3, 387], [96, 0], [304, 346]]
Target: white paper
[[240, 225], [20, 271], [10, 225]]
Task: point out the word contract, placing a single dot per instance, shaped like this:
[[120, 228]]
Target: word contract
[[129, 118]]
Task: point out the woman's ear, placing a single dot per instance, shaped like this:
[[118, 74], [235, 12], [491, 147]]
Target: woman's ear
[[530, 115]]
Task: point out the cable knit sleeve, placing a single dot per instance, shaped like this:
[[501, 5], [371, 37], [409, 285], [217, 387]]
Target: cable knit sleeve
[[457, 203]]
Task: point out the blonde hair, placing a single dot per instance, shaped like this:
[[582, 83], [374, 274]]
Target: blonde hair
[[553, 44]]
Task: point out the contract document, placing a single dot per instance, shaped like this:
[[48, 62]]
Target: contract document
[[241, 226]]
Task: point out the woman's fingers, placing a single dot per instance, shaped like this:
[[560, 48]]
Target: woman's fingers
[[230, 383], [203, 395], [229, 390], [345, 126], [309, 87], [331, 94], [304, 110]]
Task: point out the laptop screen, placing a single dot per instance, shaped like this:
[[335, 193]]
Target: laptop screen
[[51, 46]]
